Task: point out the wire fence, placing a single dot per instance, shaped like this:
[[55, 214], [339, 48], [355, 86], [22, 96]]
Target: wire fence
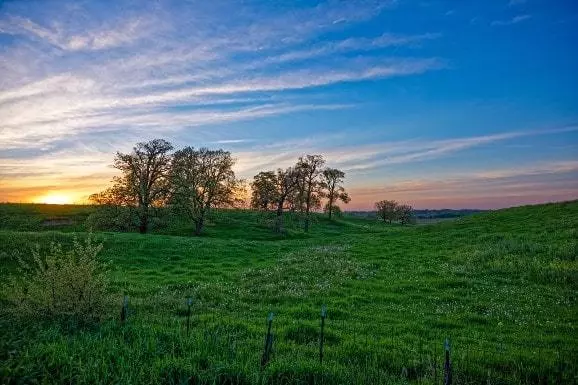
[[432, 358]]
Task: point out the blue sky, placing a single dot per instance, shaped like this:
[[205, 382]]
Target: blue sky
[[433, 103]]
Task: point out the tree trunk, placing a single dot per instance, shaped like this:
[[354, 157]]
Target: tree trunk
[[144, 222], [307, 208], [279, 219], [199, 223], [330, 207]]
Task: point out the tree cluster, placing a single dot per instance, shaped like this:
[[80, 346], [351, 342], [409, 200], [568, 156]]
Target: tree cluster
[[390, 211], [300, 188], [190, 181]]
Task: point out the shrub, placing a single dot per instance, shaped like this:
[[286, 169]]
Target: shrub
[[65, 284], [113, 218], [336, 210], [126, 219]]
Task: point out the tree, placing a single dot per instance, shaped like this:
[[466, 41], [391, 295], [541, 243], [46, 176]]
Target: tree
[[392, 211], [332, 189], [286, 185], [144, 180], [273, 190], [264, 191], [115, 196], [403, 213], [335, 210], [309, 168], [386, 210], [201, 180]]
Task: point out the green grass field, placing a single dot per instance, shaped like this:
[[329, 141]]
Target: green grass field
[[500, 285]]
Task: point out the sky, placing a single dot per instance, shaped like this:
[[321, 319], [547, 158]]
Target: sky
[[439, 104]]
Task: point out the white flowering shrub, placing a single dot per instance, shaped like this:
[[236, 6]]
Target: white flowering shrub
[[63, 284]]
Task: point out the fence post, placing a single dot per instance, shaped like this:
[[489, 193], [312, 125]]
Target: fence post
[[447, 364], [124, 309], [435, 366], [559, 369], [321, 335], [189, 303], [268, 342]]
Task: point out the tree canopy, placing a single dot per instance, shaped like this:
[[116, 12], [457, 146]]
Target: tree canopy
[[192, 182], [201, 180], [333, 190], [143, 182]]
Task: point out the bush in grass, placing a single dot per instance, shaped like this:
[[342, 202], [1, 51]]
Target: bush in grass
[[64, 284], [113, 218], [125, 219], [335, 210]]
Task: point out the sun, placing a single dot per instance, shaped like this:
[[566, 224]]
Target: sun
[[55, 199]]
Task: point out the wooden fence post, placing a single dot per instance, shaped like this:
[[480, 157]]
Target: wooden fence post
[[321, 335], [268, 342], [447, 364], [189, 303], [124, 309]]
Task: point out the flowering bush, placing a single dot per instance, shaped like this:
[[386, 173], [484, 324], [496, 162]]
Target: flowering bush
[[64, 284]]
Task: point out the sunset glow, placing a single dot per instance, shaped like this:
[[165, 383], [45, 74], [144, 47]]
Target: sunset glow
[[390, 92], [54, 199]]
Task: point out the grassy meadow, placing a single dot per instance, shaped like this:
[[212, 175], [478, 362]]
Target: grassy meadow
[[501, 286]]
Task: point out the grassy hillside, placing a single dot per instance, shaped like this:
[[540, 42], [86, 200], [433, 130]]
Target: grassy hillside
[[500, 285], [39, 217]]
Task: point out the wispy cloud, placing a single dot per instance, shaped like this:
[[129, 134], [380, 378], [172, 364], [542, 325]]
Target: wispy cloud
[[353, 45], [124, 33], [81, 80], [233, 141], [377, 155], [514, 20], [176, 70], [54, 169]]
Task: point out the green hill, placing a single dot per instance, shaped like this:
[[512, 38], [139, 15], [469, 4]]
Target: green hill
[[501, 286]]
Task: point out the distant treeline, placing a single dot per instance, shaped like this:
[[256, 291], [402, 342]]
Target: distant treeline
[[444, 213], [192, 182], [422, 214]]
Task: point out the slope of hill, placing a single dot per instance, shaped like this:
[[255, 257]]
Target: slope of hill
[[501, 286]]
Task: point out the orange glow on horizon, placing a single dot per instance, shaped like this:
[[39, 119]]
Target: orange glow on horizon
[[55, 198]]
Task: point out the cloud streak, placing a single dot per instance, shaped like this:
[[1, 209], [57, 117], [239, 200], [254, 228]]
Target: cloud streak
[[363, 158], [56, 169], [126, 32], [176, 71], [514, 20]]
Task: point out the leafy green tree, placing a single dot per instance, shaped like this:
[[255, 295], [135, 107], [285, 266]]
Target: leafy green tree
[[390, 211], [309, 170], [264, 190], [404, 214], [143, 183], [202, 180], [332, 189], [286, 185], [386, 210]]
